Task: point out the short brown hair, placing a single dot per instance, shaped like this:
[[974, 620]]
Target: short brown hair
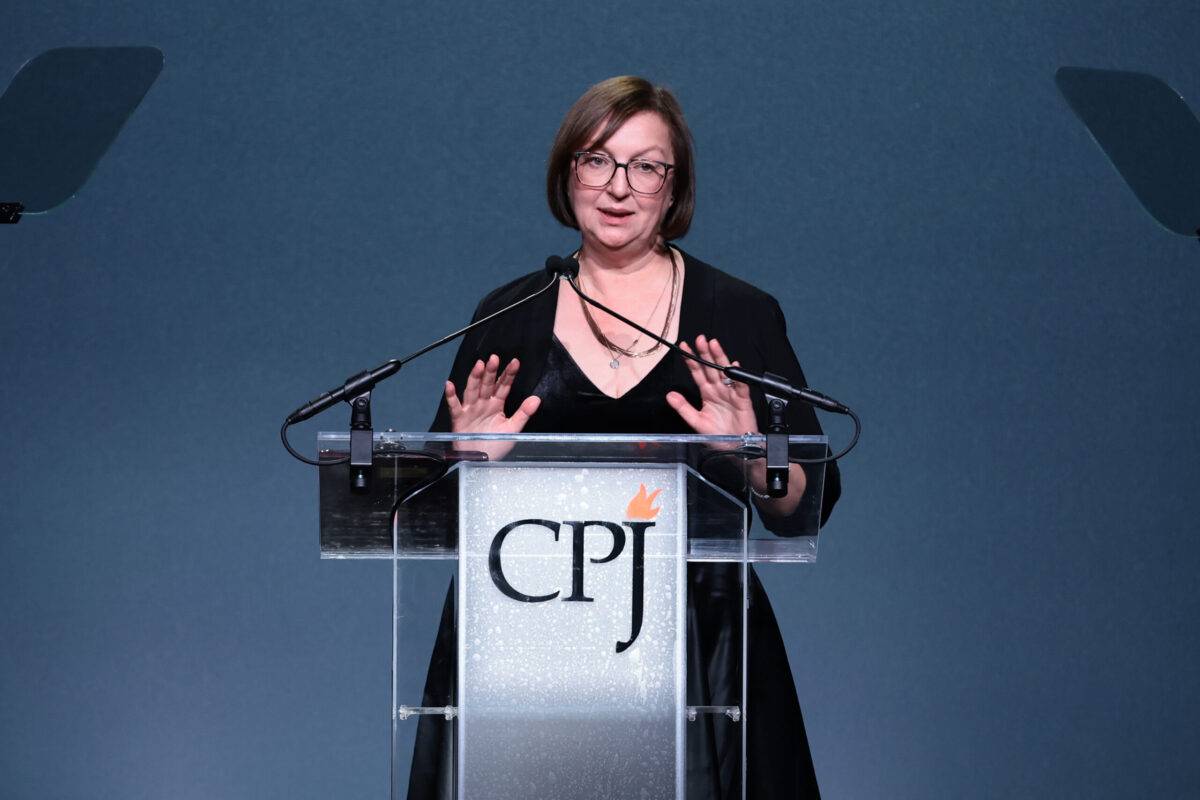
[[611, 103]]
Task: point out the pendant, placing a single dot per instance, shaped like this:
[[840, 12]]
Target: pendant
[[614, 363]]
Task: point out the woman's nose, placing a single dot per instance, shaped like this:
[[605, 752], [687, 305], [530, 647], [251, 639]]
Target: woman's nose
[[619, 185]]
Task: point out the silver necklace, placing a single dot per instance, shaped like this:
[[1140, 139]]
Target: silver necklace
[[629, 352]]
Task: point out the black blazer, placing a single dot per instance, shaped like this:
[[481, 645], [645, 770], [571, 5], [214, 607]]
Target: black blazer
[[747, 321]]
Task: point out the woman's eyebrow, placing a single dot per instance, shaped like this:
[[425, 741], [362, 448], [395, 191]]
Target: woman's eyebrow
[[638, 154]]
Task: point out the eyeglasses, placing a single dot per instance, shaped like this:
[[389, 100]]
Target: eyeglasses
[[595, 170]]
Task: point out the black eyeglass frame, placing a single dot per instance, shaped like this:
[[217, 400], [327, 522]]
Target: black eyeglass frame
[[618, 165]]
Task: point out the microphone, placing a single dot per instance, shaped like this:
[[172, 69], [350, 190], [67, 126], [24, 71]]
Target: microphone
[[777, 385], [353, 387], [559, 267], [357, 388]]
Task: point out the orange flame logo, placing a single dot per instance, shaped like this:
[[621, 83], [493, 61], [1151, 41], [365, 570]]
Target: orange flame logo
[[642, 505]]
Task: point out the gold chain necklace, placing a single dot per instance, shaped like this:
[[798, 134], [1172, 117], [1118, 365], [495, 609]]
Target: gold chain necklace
[[629, 352]]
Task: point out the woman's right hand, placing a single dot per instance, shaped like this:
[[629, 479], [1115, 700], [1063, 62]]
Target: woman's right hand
[[481, 409]]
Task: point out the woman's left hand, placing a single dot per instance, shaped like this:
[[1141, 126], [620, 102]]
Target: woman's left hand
[[724, 408]]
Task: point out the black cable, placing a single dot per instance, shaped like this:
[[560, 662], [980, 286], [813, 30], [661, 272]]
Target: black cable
[[845, 450], [444, 467], [753, 452], [305, 459]]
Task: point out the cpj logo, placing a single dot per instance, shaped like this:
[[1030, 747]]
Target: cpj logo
[[639, 518]]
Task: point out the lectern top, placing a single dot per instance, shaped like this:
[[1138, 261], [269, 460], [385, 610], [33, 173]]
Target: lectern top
[[411, 506]]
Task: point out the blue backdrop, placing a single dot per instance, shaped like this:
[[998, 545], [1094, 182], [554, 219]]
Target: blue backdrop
[[1006, 599]]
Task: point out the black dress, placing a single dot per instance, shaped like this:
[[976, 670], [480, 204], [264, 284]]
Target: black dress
[[571, 403], [749, 325]]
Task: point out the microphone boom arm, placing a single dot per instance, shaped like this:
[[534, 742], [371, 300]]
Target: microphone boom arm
[[359, 386], [773, 384]]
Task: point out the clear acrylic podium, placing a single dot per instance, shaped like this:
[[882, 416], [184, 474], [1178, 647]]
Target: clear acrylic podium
[[544, 645]]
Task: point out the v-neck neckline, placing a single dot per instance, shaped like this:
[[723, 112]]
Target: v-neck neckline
[[556, 342]]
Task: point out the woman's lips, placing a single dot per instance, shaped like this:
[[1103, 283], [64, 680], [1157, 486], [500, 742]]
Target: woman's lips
[[614, 215]]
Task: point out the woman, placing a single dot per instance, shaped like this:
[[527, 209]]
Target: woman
[[621, 172]]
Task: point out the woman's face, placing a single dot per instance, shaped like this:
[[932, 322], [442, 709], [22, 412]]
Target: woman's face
[[614, 217]]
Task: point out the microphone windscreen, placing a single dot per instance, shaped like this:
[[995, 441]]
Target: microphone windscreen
[[557, 266]]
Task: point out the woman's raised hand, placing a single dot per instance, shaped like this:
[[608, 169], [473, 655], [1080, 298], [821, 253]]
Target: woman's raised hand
[[481, 408], [724, 408]]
